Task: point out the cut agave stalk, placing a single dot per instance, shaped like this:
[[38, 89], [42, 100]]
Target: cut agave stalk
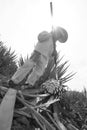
[[7, 109]]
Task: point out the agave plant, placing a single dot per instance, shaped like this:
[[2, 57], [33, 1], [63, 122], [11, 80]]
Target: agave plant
[[7, 61], [40, 104]]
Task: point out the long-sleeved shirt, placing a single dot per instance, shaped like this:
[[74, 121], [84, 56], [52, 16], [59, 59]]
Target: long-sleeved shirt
[[35, 69]]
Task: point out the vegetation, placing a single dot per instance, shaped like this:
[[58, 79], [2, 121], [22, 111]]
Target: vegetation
[[48, 106], [7, 63]]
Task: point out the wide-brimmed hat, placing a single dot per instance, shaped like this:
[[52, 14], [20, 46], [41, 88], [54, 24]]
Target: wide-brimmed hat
[[60, 34]]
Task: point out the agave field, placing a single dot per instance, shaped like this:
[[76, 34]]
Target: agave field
[[50, 105]]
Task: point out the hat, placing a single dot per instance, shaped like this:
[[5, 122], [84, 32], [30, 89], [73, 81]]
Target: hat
[[60, 34], [43, 36]]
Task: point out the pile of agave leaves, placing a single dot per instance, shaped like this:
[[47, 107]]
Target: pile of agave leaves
[[47, 106]]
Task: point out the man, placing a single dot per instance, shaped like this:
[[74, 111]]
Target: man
[[35, 66]]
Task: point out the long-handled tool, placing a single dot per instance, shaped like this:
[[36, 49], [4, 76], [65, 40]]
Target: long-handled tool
[[51, 10]]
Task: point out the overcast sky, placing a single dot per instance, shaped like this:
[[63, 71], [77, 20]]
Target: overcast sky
[[22, 20]]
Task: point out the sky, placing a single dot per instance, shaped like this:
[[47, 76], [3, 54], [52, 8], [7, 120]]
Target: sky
[[22, 20]]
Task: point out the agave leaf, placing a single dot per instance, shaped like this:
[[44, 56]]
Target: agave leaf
[[3, 89], [67, 77], [56, 117], [71, 127], [35, 95], [21, 61], [7, 109], [39, 123], [48, 103], [38, 115], [31, 91], [61, 69], [55, 124], [59, 60], [2, 50], [20, 112]]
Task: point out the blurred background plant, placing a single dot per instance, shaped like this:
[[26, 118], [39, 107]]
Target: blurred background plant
[[7, 63]]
